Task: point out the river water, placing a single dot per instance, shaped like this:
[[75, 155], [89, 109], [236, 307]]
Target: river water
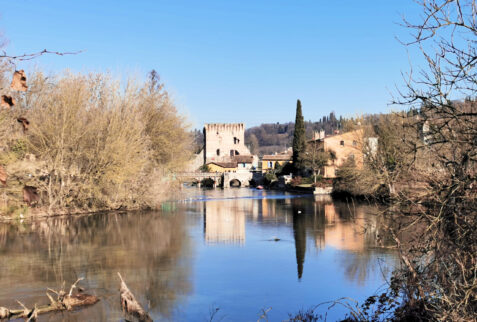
[[235, 252]]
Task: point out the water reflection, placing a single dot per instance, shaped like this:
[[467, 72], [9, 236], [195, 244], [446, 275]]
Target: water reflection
[[149, 251], [299, 232], [239, 249], [224, 224], [344, 226]]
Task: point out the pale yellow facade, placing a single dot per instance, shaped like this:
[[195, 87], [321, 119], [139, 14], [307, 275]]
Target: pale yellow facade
[[213, 167], [268, 165], [269, 162]]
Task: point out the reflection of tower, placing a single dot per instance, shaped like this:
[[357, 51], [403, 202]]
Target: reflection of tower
[[223, 224]]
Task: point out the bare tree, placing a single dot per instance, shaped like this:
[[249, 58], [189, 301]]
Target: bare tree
[[315, 158], [439, 273]]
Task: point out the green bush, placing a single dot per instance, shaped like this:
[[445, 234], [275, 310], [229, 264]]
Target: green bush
[[270, 177]]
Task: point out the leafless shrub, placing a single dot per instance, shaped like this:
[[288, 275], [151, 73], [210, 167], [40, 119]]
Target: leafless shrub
[[435, 189], [100, 146]]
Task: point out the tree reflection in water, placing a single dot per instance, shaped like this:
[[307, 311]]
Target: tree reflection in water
[[299, 233], [348, 227], [233, 236], [148, 249]]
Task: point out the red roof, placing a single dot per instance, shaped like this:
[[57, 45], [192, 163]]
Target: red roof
[[243, 158]]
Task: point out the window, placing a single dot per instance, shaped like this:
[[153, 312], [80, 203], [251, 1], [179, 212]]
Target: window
[[342, 143], [270, 164], [355, 143], [236, 141], [218, 152]]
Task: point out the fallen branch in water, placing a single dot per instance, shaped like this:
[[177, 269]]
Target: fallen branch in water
[[63, 302], [132, 310]]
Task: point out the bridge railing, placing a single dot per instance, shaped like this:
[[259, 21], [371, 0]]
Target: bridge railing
[[198, 174]]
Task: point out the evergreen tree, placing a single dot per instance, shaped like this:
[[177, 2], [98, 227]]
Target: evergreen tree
[[299, 140]]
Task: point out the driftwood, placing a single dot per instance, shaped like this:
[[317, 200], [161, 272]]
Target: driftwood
[[64, 301], [132, 310]]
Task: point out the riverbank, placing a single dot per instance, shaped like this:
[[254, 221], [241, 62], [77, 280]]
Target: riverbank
[[88, 146]]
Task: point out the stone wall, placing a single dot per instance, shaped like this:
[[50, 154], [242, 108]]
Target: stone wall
[[346, 145], [223, 141]]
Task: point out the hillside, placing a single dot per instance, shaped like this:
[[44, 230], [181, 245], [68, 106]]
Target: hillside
[[277, 137]]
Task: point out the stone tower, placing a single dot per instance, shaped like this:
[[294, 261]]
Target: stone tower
[[223, 141]]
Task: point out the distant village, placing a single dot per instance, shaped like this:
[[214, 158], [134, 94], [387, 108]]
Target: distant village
[[225, 155]]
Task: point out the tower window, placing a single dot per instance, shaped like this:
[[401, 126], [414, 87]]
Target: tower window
[[342, 143], [236, 141], [218, 152]]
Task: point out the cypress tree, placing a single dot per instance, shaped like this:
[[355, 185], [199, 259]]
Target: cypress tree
[[299, 143]]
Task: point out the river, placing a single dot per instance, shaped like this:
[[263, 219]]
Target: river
[[235, 252]]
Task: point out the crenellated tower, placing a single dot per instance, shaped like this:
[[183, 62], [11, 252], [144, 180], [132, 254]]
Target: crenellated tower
[[223, 141]]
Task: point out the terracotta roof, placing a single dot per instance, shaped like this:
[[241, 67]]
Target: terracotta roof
[[225, 164], [243, 158], [277, 157], [334, 135]]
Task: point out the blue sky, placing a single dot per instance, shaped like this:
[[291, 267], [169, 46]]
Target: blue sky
[[228, 61]]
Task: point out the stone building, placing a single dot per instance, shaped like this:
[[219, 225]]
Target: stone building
[[344, 146], [224, 141]]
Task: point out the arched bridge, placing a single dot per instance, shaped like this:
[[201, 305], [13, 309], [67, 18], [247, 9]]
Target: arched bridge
[[225, 179], [216, 177]]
